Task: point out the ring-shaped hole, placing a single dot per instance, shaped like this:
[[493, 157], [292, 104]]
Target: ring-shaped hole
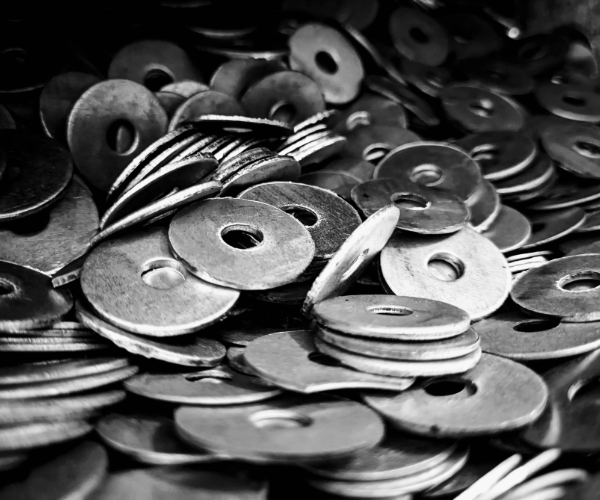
[[322, 359], [410, 201], [357, 119], [211, 377], [579, 282], [533, 51], [426, 174], [242, 236], [373, 153], [450, 387], [280, 419], [122, 137], [587, 149], [30, 225], [485, 153], [306, 216], [283, 111], [574, 99], [156, 78], [446, 267], [163, 274], [482, 107], [586, 389], [6, 288], [418, 35], [536, 325], [326, 63], [390, 310]]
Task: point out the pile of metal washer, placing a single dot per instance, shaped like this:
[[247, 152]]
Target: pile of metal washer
[[330, 249]]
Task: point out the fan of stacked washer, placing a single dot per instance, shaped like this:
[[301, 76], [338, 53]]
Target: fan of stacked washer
[[396, 336]]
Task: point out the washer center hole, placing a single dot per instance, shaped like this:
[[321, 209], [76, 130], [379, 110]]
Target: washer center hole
[[322, 359], [410, 201], [533, 51], [426, 174], [580, 282], [157, 78], [585, 390], [242, 236], [390, 310], [444, 388], [284, 112], [306, 216], [210, 377], [357, 263], [122, 137], [574, 99], [445, 267], [163, 274], [326, 63], [418, 35], [587, 149], [6, 288], [280, 419], [13, 59], [30, 225], [536, 325], [375, 152], [482, 107], [485, 153], [358, 119]]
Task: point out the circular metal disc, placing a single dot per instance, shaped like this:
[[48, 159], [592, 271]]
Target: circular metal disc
[[431, 350], [145, 290], [423, 209], [57, 99], [469, 264], [286, 89], [316, 427], [574, 102], [28, 299], [362, 170], [433, 164], [94, 116], [235, 76], [141, 60], [482, 401], [433, 45], [499, 154], [169, 101], [330, 221], [30, 436], [400, 368], [523, 338], [353, 257], [391, 317], [479, 110], [178, 175], [338, 182], [575, 147], [208, 102], [372, 142], [196, 351], [328, 57], [398, 455], [510, 231], [37, 173], [72, 222], [149, 439], [370, 109], [484, 206], [551, 226], [535, 176], [290, 360], [284, 249], [219, 386], [541, 290]]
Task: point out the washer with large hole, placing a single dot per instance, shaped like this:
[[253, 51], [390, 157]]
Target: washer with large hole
[[480, 402], [37, 172], [510, 231], [399, 367], [568, 288], [355, 254], [391, 317], [328, 218], [575, 146], [434, 164], [328, 57], [453, 269], [422, 209], [109, 125], [300, 95], [153, 63], [145, 290], [289, 428], [500, 154], [413, 350], [523, 338], [241, 244], [291, 360], [418, 36], [50, 240], [184, 351], [209, 102], [547, 227], [478, 110], [218, 386], [571, 101]]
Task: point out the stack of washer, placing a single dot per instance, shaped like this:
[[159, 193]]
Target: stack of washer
[[396, 336]]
